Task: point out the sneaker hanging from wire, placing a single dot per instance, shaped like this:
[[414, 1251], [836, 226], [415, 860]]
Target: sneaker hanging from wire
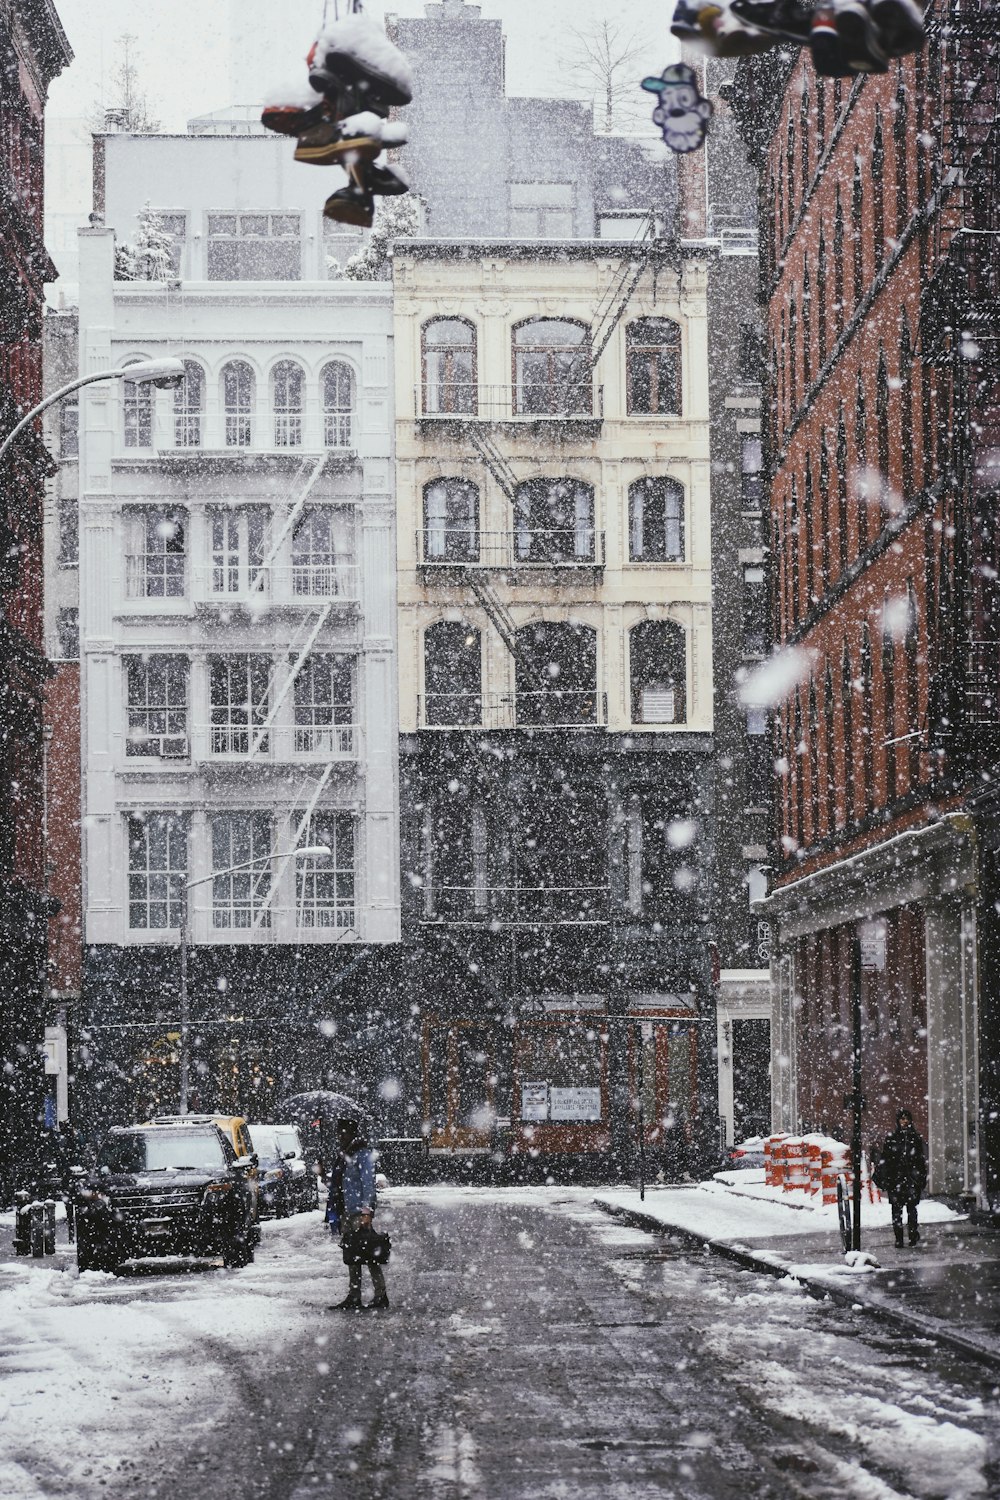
[[864, 50], [786, 20], [901, 23], [825, 44]]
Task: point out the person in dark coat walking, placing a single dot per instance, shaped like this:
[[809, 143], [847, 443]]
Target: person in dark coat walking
[[358, 1201], [901, 1173]]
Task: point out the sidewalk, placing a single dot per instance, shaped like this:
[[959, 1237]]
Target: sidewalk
[[946, 1288]]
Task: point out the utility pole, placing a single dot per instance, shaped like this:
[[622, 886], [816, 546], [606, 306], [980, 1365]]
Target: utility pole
[[855, 1100]]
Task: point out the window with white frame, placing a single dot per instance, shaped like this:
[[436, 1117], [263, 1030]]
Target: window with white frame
[[238, 402], [554, 521], [69, 429], [325, 886], [338, 405], [137, 403], [324, 706], [239, 689], [155, 560], [552, 372], [541, 210], [237, 549], [451, 521], [254, 247], [69, 531], [656, 520], [174, 225], [157, 871], [287, 390], [658, 661], [189, 406], [756, 628], [315, 567], [239, 895], [156, 692], [752, 473], [449, 367]]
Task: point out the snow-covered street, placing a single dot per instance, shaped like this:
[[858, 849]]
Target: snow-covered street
[[534, 1348]]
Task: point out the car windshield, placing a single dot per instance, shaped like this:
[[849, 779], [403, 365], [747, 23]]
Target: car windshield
[[265, 1142], [288, 1139], [163, 1151]]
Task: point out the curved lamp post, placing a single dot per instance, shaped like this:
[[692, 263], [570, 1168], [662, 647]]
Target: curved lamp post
[[161, 372], [310, 851]]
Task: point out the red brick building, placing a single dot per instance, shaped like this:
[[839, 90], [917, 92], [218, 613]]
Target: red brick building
[[881, 405], [33, 50]]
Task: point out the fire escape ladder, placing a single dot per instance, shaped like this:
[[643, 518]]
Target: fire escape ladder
[[303, 824], [495, 462], [286, 687], [275, 543], [498, 614], [616, 300]]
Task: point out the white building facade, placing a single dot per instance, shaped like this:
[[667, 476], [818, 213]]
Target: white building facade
[[237, 616]]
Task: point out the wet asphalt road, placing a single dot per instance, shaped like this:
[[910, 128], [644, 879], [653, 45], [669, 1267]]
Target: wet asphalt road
[[536, 1350]]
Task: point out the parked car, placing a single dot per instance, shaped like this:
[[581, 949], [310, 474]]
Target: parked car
[[305, 1183], [274, 1166], [234, 1127], [749, 1153], [177, 1189]]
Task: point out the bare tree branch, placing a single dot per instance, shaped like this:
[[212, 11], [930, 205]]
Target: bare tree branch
[[603, 59]]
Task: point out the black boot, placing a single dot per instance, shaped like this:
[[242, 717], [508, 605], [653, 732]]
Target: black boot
[[899, 1236], [351, 1303], [914, 1236]]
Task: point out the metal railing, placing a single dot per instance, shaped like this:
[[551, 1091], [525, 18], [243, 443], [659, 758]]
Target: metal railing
[[464, 401], [282, 742], [556, 547], [287, 429], [338, 429], [547, 709], [522, 905], [297, 583]]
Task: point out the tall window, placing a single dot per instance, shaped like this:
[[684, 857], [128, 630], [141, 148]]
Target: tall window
[[325, 886], [756, 634], [156, 689], [752, 474], [541, 210], [452, 674], [156, 541], [857, 222], [157, 871], [338, 405], [254, 247], [68, 634], [69, 428], [451, 521], [324, 707], [759, 768], [653, 367], [237, 549], [69, 532], [449, 367], [658, 659], [556, 675], [656, 520], [554, 521], [552, 373], [238, 401], [287, 388], [137, 398], [189, 406], [239, 687], [238, 896], [314, 554]]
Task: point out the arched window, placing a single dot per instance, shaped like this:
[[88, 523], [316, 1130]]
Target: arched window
[[552, 374], [451, 521], [658, 663], [338, 405], [237, 403], [556, 675], [653, 367], [449, 368], [315, 567], [452, 674], [554, 521], [189, 406], [137, 400], [656, 520], [287, 391]]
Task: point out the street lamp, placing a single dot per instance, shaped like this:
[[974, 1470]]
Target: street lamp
[[161, 372], [309, 851]]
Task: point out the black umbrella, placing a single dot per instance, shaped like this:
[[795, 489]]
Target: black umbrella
[[322, 1104]]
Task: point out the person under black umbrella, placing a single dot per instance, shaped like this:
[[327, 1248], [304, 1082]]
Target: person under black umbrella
[[358, 1198]]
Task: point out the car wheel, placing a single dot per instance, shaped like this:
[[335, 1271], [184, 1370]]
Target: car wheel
[[238, 1251], [93, 1256]]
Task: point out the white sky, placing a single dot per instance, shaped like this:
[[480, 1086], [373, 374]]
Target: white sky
[[198, 55]]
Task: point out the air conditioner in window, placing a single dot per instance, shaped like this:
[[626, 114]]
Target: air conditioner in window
[[173, 746]]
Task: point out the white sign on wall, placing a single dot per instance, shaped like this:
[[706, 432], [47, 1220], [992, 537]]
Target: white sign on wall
[[871, 936], [575, 1104], [534, 1101]]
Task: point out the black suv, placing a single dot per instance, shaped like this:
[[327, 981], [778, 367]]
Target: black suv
[[165, 1190]]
